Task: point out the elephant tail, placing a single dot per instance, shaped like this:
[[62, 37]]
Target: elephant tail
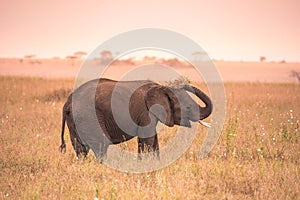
[[62, 147]]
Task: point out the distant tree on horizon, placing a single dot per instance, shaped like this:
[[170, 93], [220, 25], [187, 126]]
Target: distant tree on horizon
[[72, 58], [149, 58], [283, 61], [173, 62], [30, 56], [106, 57], [80, 54], [199, 55], [262, 58]]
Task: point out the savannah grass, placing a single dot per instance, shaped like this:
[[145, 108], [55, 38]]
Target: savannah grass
[[256, 157]]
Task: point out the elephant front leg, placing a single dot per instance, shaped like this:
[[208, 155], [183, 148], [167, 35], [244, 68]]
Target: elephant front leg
[[102, 152], [147, 145], [141, 145], [155, 147], [99, 146]]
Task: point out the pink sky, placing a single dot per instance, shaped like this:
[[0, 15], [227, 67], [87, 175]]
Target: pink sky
[[230, 30]]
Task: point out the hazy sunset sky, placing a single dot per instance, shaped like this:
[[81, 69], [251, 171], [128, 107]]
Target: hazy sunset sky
[[230, 30]]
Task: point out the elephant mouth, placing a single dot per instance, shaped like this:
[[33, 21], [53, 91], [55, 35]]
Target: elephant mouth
[[185, 123]]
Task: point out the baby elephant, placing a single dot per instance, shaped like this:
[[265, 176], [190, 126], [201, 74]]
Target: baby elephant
[[103, 112]]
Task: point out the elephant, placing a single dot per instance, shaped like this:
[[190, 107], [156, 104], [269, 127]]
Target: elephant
[[127, 109]]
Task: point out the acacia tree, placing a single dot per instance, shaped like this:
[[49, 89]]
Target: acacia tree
[[31, 59], [262, 59], [199, 55], [106, 57], [80, 54], [29, 56], [72, 58]]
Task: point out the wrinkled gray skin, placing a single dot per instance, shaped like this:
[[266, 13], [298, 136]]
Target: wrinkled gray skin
[[178, 109]]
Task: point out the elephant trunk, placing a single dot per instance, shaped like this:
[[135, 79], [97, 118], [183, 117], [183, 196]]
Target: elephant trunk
[[207, 109]]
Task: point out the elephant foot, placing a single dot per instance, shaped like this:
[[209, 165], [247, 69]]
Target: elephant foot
[[157, 154], [101, 159]]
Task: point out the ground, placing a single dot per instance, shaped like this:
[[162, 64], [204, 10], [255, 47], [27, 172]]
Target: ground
[[256, 157]]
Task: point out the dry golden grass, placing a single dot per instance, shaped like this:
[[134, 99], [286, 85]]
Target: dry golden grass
[[256, 157]]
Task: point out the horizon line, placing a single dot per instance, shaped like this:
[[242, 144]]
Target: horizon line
[[72, 57]]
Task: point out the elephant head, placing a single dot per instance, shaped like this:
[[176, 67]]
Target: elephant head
[[179, 108]]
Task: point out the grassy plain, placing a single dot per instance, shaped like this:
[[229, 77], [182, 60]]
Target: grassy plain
[[256, 157]]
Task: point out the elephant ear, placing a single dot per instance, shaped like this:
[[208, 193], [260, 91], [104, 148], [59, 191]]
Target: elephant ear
[[159, 102]]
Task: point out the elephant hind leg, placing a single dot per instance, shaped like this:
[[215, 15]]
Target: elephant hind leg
[[80, 149], [78, 146]]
